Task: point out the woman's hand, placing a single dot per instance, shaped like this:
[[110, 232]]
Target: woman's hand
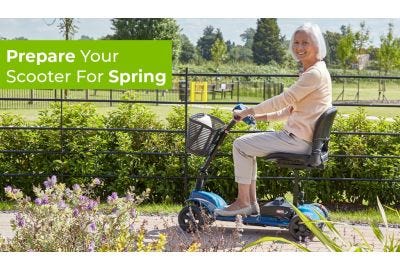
[[238, 115]]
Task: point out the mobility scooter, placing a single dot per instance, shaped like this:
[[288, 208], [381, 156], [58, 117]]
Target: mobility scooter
[[206, 133]]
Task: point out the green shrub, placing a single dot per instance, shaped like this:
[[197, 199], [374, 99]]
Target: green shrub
[[88, 152]]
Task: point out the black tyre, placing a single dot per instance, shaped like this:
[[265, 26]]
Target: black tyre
[[193, 218], [299, 230]]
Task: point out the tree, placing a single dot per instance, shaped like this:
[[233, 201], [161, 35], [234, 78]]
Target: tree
[[68, 27], [188, 51], [148, 29], [229, 45], [20, 38], [268, 43], [85, 37], [218, 52], [205, 43], [248, 37], [346, 50], [240, 53], [332, 42], [389, 51], [361, 39]]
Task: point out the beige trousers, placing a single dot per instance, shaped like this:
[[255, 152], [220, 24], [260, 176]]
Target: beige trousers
[[246, 148]]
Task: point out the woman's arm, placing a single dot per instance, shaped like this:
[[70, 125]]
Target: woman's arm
[[281, 115], [306, 84]]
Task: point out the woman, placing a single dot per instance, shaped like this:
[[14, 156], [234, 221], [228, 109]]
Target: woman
[[300, 105]]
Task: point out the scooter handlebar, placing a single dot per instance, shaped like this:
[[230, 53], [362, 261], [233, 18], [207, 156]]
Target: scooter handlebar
[[230, 125], [250, 120]]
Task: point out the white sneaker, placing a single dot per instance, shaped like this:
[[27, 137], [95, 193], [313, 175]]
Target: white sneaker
[[255, 208]]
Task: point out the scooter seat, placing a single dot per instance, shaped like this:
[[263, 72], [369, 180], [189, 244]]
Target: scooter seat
[[297, 161]]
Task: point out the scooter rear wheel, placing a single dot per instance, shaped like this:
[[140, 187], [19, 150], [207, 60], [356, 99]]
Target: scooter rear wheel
[[299, 230], [192, 218]]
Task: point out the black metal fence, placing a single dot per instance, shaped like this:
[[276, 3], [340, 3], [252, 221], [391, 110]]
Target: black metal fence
[[222, 89]]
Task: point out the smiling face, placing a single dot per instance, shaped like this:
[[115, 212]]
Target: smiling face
[[305, 49]]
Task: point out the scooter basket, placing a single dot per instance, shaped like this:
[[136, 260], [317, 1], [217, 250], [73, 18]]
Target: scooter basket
[[202, 133]]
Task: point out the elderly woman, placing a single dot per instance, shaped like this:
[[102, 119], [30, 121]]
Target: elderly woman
[[300, 106]]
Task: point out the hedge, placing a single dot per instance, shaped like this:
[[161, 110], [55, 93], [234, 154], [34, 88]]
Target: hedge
[[86, 153]]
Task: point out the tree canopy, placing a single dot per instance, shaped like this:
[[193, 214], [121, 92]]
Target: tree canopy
[[268, 43], [205, 43], [389, 52], [148, 29]]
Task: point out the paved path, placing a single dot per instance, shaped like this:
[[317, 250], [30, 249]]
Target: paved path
[[227, 236]]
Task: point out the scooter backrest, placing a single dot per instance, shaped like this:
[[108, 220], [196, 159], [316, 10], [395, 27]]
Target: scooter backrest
[[322, 131]]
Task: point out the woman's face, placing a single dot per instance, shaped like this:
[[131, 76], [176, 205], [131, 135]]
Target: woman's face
[[304, 48]]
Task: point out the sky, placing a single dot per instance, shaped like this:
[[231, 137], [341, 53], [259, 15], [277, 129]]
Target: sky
[[36, 28]]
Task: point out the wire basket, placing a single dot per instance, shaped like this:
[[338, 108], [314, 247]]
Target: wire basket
[[202, 132]]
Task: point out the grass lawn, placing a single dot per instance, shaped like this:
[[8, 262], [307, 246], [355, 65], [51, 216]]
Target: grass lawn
[[372, 111], [162, 110], [366, 90]]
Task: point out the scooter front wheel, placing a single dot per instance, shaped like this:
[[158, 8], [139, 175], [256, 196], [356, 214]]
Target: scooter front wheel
[[193, 218]]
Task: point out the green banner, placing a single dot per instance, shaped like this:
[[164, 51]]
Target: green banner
[[86, 64]]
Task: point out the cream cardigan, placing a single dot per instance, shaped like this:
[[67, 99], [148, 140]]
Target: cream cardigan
[[310, 96]]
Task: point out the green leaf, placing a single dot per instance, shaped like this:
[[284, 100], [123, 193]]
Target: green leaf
[[378, 233], [383, 214]]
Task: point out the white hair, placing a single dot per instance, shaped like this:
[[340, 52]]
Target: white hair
[[316, 36]]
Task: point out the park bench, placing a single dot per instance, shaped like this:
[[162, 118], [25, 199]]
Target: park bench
[[222, 89]]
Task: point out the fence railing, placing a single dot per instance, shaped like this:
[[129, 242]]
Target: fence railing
[[354, 90], [245, 88]]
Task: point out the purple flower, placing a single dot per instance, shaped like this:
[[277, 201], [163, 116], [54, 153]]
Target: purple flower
[[50, 182], [113, 197], [129, 198], [96, 181], [76, 187], [83, 198], [20, 220], [133, 213], [8, 189], [91, 247], [38, 201], [75, 212], [68, 193], [61, 204], [92, 227], [45, 200], [92, 204]]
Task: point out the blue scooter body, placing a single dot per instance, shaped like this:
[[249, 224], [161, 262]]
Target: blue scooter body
[[211, 201]]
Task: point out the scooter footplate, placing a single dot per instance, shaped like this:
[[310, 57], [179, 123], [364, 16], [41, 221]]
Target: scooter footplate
[[257, 220]]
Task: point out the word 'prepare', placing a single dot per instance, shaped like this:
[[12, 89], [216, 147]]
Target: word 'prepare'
[[59, 57]]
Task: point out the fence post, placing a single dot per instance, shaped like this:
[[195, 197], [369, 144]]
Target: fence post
[[61, 136], [269, 90], [31, 96], [157, 96], [238, 90], [111, 97], [185, 165]]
